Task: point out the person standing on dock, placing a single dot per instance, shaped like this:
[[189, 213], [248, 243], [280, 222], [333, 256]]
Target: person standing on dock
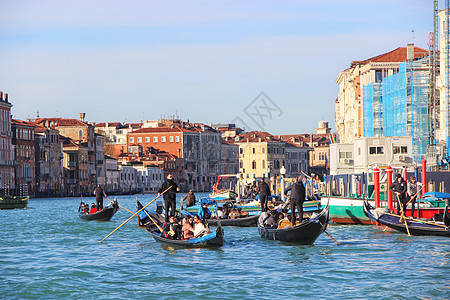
[[398, 187], [264, 194], [99, 193], [297, 198], [412, 189], [169, 196]]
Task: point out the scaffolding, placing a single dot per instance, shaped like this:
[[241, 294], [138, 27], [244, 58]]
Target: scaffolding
[[405, 105], [373, 110]]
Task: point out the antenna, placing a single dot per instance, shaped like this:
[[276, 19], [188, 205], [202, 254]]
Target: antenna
[[413, 36]]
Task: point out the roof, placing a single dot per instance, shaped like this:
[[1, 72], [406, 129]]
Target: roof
[[256, 136], [22, 123], [110, 124], [60, 122], [396, 55], [162, 130]]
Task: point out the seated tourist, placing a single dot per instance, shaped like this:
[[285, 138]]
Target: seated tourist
[[170, 230], [272, 221], [220, 214], [93, 209], [199, 227], [188, 229]]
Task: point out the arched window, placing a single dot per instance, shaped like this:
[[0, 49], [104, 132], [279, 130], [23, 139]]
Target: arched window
[[254, 165], [80, 134], [263, 163]]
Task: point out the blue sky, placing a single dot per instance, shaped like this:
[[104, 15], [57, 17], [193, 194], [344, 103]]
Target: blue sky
[[205, 61]]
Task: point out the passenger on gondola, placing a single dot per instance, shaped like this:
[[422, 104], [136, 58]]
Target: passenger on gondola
[[170, 230], [272, 221], [188, 229], [199, 227], [220, 214], [204, 212], [86, 208], [93, 209]]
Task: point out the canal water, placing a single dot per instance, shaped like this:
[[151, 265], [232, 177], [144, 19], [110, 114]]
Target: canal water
[[46, 252]]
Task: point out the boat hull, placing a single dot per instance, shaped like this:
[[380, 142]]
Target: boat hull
[[104, 215], [305, 233], [13, 202], [249, 221], [413, 227]]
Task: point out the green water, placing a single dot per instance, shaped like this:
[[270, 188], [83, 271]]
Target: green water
[[46, 252]]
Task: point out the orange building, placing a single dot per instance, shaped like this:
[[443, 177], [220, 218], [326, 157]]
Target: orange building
[[23, 140]]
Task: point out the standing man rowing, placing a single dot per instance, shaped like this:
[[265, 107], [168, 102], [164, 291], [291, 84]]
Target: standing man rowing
[[99, 193], [169, 196]]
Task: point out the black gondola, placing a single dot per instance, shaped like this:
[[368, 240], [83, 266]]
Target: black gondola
[[414, 226], [249, 221], [305, 233], [212, 240], [104, 215]]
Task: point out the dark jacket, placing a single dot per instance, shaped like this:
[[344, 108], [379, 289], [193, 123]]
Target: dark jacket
[[190, 199], [399, 187], [263, 188], [171, 193], [297, 191], [98, 193]]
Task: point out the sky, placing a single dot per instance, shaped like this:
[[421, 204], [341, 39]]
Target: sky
[[265, 65]]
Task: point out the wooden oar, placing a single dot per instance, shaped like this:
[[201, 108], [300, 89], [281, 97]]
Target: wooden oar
[[134, 214], [325, 231], [412, 198], [403, 214], [120, 205]]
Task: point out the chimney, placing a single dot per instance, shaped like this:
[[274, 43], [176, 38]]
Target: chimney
[[410, 52], [1, 96], [82, 115], [6, 97]]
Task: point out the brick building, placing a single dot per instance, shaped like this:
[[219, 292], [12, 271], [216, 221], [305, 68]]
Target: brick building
[[7, 160], [24, 144]]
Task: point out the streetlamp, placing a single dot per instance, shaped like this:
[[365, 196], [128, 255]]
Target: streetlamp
[[282, 172]]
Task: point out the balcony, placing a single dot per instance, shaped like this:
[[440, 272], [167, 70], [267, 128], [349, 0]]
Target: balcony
[[72, 164], [71, 181]]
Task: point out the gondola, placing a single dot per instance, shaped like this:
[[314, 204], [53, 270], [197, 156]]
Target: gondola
[[104, 215], [8, 202], [446, 216], [248, 221], [305, 233], [212, 240], [414, 226]]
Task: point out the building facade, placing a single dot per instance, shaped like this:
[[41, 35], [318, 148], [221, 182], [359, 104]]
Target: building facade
[[7, 159], [24, 144]]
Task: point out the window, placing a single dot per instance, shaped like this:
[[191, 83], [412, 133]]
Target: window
[[131, 140], [177, 139], [400, 149], [80, 134], [376, 150], [147, 140], [241, 164], [345, 155], [139, 140], [163, 139], [254, 165], [263, 150], [263, 163], [241, 151], [253, 150], [359, 151], [171, 139], [378, 76], [155, 139]]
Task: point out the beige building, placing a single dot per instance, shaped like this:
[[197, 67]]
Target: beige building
[[75, 166], [260, 155]]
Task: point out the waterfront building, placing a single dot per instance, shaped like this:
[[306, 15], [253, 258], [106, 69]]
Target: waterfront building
[[367, 152], [116, 136], [7, 160], [100, 159], [24, 145], [229, 162], [359, 110], [82, 134], [49, 159], [261, 155], [75, 168], [112, 175], [129, 179], [442, 135]]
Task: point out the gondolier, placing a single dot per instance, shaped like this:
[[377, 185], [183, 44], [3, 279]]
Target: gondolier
[[413, 188], [99, 193], [264, 193], [398, 187], [297, 198], [169, 196]]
